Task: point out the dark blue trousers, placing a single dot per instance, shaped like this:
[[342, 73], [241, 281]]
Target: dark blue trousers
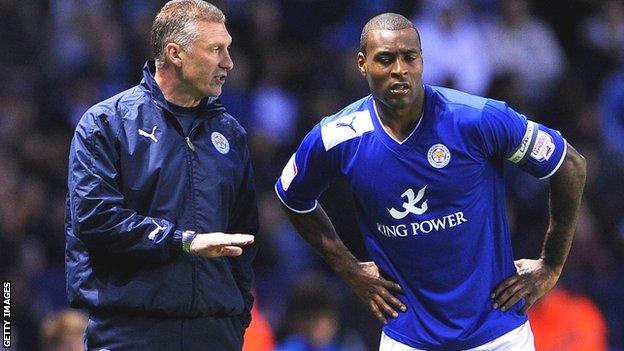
[[121, 332]]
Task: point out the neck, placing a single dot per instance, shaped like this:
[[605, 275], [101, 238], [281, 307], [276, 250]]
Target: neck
[[173, 88], [400, 122]]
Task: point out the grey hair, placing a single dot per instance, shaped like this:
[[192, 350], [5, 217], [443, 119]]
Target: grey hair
[[389, 21], [176, 22]]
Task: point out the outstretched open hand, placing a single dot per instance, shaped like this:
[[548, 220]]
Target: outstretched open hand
[[218, 244]]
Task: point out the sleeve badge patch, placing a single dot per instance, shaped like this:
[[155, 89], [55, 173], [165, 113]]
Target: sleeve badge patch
[[543, 148]]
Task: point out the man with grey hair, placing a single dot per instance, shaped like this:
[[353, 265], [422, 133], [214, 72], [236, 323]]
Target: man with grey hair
[[161, 202], [425, 165]]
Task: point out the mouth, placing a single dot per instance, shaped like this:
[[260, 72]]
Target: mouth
[[401, 88], [221, 78]]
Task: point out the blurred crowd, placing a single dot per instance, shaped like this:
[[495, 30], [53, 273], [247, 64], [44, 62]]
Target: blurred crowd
[[559, 62]]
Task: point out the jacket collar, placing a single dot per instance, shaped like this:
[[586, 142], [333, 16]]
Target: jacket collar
[[208, 104]]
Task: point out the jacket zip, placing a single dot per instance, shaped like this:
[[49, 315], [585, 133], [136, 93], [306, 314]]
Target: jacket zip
[[189, 160], [190, 144], [190, 152]]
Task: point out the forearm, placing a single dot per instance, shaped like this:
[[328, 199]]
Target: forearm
[[363, 277], [566, 189], [125, 232], [316, 228]]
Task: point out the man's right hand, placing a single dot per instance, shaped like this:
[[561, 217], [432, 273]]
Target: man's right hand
[[363, 277], [374, 290], [218, 244]]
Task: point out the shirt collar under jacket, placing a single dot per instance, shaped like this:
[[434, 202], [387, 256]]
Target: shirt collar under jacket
[[208, 104]]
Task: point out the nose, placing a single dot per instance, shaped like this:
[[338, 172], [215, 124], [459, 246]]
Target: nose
[[398, 68], [226, 61]]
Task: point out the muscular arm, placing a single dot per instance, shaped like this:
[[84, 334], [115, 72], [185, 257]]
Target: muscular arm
[[316, 228], [566, 189], [534, 278], [363, 277]]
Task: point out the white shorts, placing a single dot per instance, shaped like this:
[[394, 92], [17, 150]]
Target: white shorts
[[519, 339]]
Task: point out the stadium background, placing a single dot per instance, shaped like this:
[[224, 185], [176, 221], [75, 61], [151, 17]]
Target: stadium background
[[559, 62]]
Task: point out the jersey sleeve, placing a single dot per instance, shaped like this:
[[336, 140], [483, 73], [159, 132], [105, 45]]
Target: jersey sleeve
[[306, 175], [535, 148]]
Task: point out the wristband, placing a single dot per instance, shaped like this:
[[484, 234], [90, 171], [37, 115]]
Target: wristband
[[187, 239]]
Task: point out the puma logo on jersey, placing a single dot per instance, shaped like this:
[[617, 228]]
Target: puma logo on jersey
[[149, 135], [350, 125], [410, 204], [152, 234], [338, 130]]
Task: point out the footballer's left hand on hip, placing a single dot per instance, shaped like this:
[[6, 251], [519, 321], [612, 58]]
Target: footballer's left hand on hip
[[532, 280]]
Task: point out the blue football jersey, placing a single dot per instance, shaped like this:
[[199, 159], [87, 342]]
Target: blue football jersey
[[432, 207]]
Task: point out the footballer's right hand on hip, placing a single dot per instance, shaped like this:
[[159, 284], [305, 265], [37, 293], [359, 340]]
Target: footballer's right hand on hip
[[374, 290], [219, 244]]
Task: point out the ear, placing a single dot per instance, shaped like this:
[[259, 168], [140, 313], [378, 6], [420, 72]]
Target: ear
[[361, 62], [173, 54]]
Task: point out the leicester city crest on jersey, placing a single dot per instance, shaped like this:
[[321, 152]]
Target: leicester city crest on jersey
[[438, 156], [220, 142]]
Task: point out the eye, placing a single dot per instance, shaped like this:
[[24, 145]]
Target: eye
[[384, 59]]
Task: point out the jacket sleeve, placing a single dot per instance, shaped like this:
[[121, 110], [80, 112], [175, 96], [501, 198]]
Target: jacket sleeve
[[245, 220], [98, 215]]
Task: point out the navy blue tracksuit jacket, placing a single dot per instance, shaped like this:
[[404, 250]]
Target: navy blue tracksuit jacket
[[136, 180]]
